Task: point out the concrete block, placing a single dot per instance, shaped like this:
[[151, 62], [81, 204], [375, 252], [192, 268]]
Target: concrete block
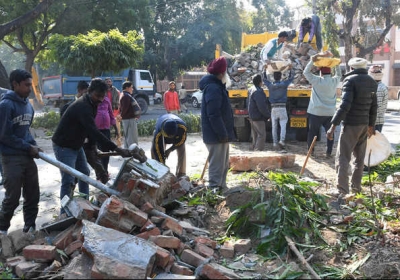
[[260, 161], [7, 248], [242, 246]]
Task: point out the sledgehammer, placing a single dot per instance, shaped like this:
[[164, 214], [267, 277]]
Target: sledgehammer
[[78, 174]]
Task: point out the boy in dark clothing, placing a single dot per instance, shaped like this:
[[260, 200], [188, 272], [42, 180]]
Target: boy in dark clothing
[[75, 126], [170, 129], [18, 148], [258, 113]]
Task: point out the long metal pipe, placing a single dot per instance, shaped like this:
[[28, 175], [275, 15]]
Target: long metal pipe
[[78, 174]]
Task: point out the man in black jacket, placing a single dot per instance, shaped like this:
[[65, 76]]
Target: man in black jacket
[[77, 124], [259, 113], [357, 112]]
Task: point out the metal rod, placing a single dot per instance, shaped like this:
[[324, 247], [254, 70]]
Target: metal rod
[[78, 174]]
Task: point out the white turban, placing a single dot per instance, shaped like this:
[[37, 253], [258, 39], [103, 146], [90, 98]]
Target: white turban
[[358, 62]]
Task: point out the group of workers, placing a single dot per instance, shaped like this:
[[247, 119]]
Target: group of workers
[[87, 122]]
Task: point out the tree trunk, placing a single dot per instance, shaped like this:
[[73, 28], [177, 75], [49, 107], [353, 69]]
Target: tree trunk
[[30, 57], [4, 82]]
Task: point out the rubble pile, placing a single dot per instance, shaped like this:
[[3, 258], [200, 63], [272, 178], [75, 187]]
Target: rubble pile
[[248, 63], [142, 232]]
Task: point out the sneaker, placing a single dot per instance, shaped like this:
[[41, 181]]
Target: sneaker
[[275, 147], [282, 145]]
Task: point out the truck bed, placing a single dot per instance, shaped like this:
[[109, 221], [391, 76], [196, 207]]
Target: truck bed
[[292, 92]]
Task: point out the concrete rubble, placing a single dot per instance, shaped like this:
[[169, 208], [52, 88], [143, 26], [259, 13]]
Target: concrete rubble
[[144, 232], [248, 63]]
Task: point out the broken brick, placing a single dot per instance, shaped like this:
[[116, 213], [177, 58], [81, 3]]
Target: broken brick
[[14, 261], [162, 257], [29, 269], [242, 246], [204, 250], [192, 258], [166, 241], [147, 226], [146, 234], [172, 225], [72, 247], [147, 207], [206, 241], [40, 253], [209, 272], [182, 270], [227, 250], [64, 238]]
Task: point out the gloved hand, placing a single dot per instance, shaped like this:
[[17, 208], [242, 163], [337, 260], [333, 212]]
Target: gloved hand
[[123, 152]]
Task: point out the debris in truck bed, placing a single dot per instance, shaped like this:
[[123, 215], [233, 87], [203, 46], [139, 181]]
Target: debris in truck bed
[[248, 63]]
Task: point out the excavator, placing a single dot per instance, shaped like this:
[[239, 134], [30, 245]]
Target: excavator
[[35, 97]]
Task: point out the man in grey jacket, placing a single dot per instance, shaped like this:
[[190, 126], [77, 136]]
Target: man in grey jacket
[[357, 113], [322, 104]]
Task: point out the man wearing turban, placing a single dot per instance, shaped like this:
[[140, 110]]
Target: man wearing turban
[[217, 122], [357, 113]]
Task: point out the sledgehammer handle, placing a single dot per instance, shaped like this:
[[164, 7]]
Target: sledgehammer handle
[[78, 174]]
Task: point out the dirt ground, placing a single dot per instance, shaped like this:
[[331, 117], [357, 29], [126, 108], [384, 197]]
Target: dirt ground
[[383, 262]]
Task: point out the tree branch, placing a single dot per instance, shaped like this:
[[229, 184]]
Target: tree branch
[[13, 25]]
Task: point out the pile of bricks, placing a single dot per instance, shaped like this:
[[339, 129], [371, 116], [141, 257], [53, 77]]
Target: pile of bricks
[[123, 237], [248, 63]]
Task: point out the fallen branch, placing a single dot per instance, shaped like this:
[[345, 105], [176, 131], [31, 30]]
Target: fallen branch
[[301, 257]]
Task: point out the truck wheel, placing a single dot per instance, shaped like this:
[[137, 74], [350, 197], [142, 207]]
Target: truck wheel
[[243, 132], [301, 134], [143, 104]]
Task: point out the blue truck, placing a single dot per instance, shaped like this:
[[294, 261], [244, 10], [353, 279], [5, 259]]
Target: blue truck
[[61, 89]]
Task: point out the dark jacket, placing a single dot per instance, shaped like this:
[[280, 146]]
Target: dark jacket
[[128, 106], [258, 104], [359, 103], [278, 90], [16, 116], [77, 123], [158, 140], [216, 111]]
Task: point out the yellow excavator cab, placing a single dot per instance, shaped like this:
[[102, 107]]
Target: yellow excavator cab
[[36, 98]]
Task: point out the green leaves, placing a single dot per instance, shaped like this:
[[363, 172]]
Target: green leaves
[[292, 210], [87, 51]]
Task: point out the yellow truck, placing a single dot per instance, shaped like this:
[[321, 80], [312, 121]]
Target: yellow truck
[[298, 98]]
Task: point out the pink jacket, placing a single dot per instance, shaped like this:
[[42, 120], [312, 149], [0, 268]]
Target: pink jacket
[[104, 117]]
